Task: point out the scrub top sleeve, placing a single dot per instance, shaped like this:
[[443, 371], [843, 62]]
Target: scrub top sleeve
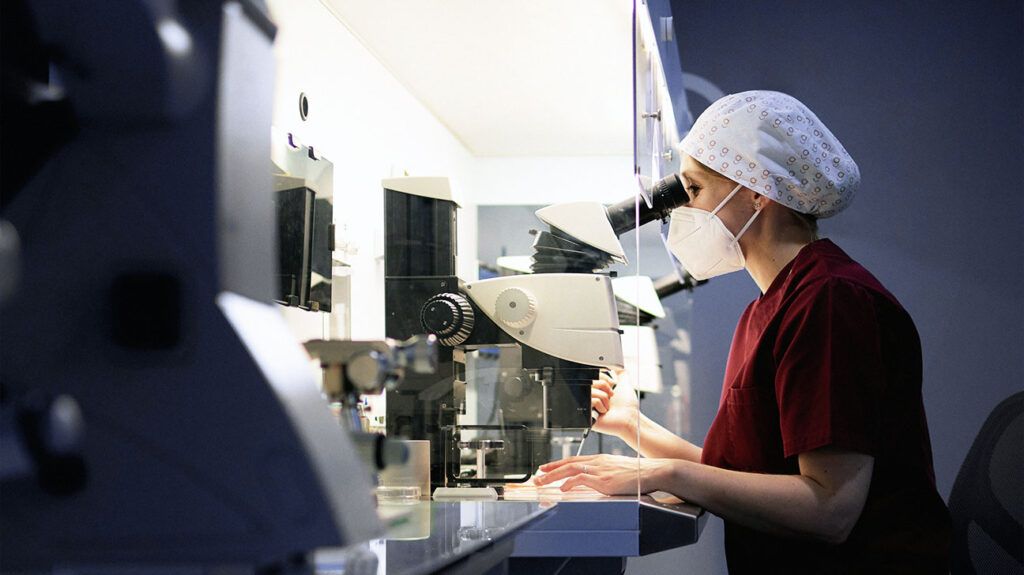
[[830, 376]]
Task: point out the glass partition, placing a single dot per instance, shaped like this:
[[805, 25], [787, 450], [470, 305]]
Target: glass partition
[[489, 369], [470, 251], [654, 277]]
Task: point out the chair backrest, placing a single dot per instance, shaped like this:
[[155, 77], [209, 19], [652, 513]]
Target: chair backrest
[[987, 501]]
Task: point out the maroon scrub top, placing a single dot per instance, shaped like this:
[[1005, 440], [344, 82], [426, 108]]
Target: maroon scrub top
[[828, 357]]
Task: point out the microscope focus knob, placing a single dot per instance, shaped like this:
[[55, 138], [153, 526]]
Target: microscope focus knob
[[516, 307], [449, 316]]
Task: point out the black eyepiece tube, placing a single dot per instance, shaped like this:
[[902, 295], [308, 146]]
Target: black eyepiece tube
[[670, 283], [668, 193]]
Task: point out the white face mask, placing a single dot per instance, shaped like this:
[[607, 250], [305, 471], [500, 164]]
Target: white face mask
[[703, 244]]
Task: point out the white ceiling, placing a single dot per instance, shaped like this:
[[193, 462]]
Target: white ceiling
[[510, 78]]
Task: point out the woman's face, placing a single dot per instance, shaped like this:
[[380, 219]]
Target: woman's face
[[707, 189]]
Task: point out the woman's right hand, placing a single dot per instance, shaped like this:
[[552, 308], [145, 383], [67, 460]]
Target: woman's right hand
[[616, 403]]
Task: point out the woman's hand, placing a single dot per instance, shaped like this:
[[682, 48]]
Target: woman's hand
[[608, 474], [616, 403]]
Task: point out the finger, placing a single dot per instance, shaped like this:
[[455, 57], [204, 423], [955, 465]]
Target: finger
[[599, 406], [558, 469], [583, 479], [560, 462], [601, 385], [604, 400], [560, 473]]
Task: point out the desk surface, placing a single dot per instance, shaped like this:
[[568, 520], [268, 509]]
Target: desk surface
[[430, 536], [586, 524]]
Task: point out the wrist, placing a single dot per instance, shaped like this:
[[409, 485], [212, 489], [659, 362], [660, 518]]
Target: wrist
[[664, 477], [623, 428], [633, 427]]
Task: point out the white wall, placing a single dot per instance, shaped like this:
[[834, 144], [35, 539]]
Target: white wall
[[370, 127], [541, 180]]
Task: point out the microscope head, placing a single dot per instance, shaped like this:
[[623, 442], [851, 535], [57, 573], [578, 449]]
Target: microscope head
[[586, 226], [584, 236]]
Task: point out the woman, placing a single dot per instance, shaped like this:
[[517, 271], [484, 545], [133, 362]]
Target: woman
[[819, 458]]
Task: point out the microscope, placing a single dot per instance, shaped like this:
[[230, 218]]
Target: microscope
[[155, 413], [560, 324], [424, 295], [355, 369]]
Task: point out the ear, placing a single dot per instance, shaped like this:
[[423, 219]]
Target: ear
[[750, 197]]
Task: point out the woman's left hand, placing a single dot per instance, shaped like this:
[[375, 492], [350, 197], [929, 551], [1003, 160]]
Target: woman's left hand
[[608, 474]]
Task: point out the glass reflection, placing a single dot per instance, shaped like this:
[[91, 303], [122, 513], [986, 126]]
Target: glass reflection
[[426, 536]]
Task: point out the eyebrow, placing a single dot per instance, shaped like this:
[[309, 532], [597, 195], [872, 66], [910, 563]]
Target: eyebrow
[[688, 175]]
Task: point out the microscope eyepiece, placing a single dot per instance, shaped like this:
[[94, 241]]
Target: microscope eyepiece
[[667, 194]]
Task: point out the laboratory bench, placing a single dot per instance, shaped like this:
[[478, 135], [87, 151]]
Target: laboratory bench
[[523, 532]]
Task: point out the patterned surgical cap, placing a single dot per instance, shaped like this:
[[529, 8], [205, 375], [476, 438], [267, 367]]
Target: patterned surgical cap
[[772, 144]]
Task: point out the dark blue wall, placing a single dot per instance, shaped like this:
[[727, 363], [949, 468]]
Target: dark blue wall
[[927, 97]]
